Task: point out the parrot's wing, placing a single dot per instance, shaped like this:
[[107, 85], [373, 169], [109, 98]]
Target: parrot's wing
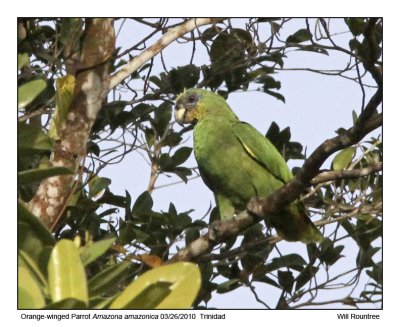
[[263, 151]]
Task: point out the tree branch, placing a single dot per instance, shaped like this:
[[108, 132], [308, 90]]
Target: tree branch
[[172, 35], [353, 173]]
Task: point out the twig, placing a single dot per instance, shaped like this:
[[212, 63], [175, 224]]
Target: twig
[[34, 113], [339, 174]]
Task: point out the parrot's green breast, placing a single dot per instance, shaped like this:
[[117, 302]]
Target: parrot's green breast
[[226, 166]]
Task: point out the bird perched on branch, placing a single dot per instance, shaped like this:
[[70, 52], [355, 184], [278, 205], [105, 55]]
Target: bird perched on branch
[[238, 163]]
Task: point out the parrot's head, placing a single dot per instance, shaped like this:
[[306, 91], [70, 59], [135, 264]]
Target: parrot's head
[[193, 105]]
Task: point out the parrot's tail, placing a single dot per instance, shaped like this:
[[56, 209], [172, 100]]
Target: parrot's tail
[[294, 225]]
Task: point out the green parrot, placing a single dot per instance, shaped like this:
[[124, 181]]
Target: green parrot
[[237, 163]]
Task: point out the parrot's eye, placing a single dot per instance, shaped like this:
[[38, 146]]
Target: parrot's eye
[[192, 98]]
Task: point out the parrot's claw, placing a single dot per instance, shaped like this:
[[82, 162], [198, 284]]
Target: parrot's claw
[[255, 206]]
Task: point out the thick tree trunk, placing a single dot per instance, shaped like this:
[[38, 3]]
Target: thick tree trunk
[[91, 72]]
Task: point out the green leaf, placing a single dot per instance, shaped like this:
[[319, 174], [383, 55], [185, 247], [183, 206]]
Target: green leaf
[[228, 286], [305, 276], [31, 264], [150, 136], [65, 91], [37, 174], [67, 278], [115, 200], [29, 91], [364, 256], [92, 147], [162, 117], [330, 254], [34, 240], [30, 295], [172, 139], [66, 304], [273, 134], [24, 215], [286, 280], [23, 60], [128, 233], [109, 278], [182, 172], [92, 251], [143, 204], [301, 35], [100, 302], [343, 159], [354, 116], [183, 77], [265, 279], [32, 139], [356, 25], [275, 57], [275, 94], [70, 31], [151, 296], [294, 261], [376, 273], [181, 155], [98, 184], [269, 82], [155, 80], [174, 286]]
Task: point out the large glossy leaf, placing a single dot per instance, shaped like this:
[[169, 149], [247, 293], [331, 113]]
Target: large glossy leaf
[[92, 251], [37, 174], [33, 236], [173, 286], [66, 304], [23, 60], [24, 215], [29, 293], [24, 260], [32, 138], [67, 277], [109, 278], [29, 91]]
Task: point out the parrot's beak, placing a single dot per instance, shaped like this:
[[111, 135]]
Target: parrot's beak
[[180, 113]]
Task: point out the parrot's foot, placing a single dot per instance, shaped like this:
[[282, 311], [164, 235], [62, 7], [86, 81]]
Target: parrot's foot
[[255, 206]]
